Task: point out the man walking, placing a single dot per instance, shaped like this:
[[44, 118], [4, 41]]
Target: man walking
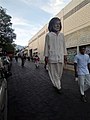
[[81, 66]]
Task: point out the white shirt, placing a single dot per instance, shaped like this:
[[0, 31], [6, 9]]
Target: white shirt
[[55, 47], [82, 63]]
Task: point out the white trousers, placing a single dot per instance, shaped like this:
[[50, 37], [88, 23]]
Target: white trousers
[[55, 71], [84, 82]]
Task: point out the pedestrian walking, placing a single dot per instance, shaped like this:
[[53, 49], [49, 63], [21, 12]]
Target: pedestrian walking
[[23, 59], [55, 52], [36, 60], [81, 66], [16, 57]]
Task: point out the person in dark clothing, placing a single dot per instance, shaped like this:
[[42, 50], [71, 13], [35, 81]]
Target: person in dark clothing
[[23, 59]]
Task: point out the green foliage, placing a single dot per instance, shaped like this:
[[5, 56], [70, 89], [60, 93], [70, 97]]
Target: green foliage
[[10, 48], [6, 32]]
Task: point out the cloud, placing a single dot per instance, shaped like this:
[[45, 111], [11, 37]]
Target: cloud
[[25, 32], [29, 2], [19, 21], [23, 35], [52, 7]]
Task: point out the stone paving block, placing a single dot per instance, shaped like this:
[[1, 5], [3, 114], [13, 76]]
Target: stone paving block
[[31, 96]]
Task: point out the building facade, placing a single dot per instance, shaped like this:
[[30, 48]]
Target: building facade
[[75, 20]]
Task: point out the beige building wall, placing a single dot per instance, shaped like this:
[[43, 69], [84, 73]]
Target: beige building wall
[[37, 43], [78, 20], [41, 41], [72, 5], [75, 20], [77, 25]]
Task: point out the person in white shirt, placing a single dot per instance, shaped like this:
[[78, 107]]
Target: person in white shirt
[[81, 66], [55, 52]]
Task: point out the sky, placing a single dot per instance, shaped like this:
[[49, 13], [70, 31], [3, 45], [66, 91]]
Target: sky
[[29, 16]]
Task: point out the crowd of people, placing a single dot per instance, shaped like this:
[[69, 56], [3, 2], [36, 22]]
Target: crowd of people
[[23, 58]]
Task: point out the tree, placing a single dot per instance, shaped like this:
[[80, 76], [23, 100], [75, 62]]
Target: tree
[[7, 34]]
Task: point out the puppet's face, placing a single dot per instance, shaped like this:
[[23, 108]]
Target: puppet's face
[[56, 26]]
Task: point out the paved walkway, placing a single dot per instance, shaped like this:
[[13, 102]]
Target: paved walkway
[[31, 96]]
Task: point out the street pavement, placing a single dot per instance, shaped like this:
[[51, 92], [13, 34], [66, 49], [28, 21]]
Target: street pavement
[[31, 95]]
